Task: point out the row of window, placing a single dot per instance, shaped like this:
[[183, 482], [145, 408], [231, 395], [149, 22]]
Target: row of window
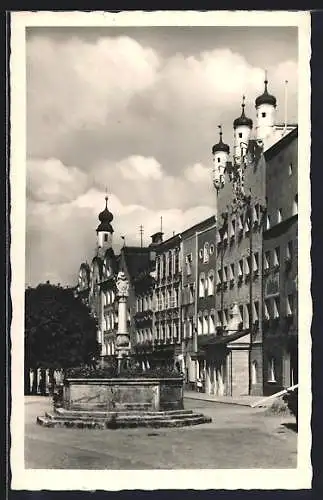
[[110, 321], [110, 348], [167, 299], [145, 303], [238, 226], [243, 267], [271, 221], [145, 335], [165, 331], [209, 321], [168, 264], [205, 252], [108, 297], [273, 308], [272, 258]]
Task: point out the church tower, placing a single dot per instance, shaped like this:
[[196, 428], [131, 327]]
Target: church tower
[[242, 127], [265, 109], [104, 230], [220, 154]]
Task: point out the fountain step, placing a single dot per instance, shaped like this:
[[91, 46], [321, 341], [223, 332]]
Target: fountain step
[[127, 417], [61, 412], [118, 407], [121, 422]]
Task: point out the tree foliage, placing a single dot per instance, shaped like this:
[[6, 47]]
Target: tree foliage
[[60, 331]]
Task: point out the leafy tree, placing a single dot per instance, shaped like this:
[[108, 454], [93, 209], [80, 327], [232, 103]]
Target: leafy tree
[[60, 331]]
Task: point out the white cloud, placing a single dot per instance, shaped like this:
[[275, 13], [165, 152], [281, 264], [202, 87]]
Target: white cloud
[[113, 113], [93, 99], [50, 180], [198, 173], [139, 167], [58, 248]]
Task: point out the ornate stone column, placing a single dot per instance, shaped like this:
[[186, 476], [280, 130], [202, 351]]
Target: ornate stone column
[[122, 340]]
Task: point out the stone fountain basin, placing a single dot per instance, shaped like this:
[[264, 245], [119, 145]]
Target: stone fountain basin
[[117, 394]]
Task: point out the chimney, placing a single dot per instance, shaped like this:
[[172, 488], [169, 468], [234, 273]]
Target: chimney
[[156, 238]]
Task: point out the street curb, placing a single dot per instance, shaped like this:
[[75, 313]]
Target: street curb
[[210, 400]]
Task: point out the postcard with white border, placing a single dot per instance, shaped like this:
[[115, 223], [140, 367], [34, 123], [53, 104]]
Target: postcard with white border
[[160, 250]]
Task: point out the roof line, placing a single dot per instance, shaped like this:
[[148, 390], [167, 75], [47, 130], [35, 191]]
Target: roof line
[[281, 142]]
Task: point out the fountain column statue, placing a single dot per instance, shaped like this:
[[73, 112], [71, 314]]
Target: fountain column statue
[[123, 339]]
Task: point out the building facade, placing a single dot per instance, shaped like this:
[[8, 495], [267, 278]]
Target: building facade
[[246, 191], [218, 301], [194, 359], [167, 318], [280, 255]]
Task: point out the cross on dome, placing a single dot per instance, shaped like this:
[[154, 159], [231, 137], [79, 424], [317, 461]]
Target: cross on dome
[[243, 120], [105, 217], [220, 146], [266, 98]]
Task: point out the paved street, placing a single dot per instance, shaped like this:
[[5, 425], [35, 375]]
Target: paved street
[[238, 437]]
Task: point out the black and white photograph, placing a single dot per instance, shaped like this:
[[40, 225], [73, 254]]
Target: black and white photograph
[[160, 227]]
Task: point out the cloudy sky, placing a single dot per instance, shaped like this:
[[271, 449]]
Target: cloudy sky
[[134, 110]]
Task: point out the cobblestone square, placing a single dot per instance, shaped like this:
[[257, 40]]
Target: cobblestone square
[[238, 437]]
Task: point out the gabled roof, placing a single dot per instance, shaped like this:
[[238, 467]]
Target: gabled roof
[[137, 260], [204, 224]]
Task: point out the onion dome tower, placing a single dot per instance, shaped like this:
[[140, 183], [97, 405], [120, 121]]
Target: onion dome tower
[[220, 153], [104, 230], [265, 109], [242, 127]]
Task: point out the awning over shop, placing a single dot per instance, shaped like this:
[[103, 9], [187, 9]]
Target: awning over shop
[[197, 355], [207, 340]]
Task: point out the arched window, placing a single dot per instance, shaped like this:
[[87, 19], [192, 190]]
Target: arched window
[[272, 370], [176, 261], [163, 266], [212, 322], [170, 263], [246, 313], [254, 367], [205, 323], [210, 283], [200, 324], [169, 299], [295, 205], [202, 285], [157, 268], [206, 253]]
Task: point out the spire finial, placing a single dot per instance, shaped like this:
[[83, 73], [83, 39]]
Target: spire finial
[[266, 80], [106, 197], [141, 231], [220, 132], [243, 104]]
